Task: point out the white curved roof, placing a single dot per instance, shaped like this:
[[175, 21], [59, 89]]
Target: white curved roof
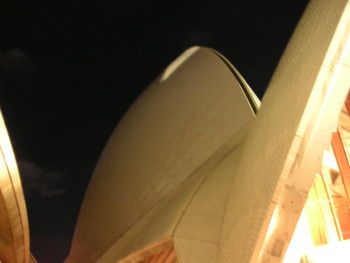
[[14, 230], [190, 164], [175, 127]]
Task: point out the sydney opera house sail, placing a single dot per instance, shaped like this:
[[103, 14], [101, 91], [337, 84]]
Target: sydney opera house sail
[[14, 231], [170, 159], [200, 171]]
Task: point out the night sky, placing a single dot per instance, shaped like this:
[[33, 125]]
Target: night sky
[[68, 72]]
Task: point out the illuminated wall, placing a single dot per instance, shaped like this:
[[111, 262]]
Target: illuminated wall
[[325, 219]]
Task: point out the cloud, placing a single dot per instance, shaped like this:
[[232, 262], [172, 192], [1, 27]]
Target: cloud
[[37, 180], [18, 66], [15, 60]]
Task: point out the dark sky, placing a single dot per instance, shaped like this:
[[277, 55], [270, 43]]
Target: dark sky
[[69, 70]]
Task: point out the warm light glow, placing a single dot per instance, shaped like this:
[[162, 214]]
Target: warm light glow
[[301, 241], [316, 225], [324, 220], [273, 223], [13, 214], [336, 252], [330, 161]]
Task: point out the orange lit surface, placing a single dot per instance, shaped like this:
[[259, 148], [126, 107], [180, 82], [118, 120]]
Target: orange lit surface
[[341, 145], [166, 256], [323, 230]]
